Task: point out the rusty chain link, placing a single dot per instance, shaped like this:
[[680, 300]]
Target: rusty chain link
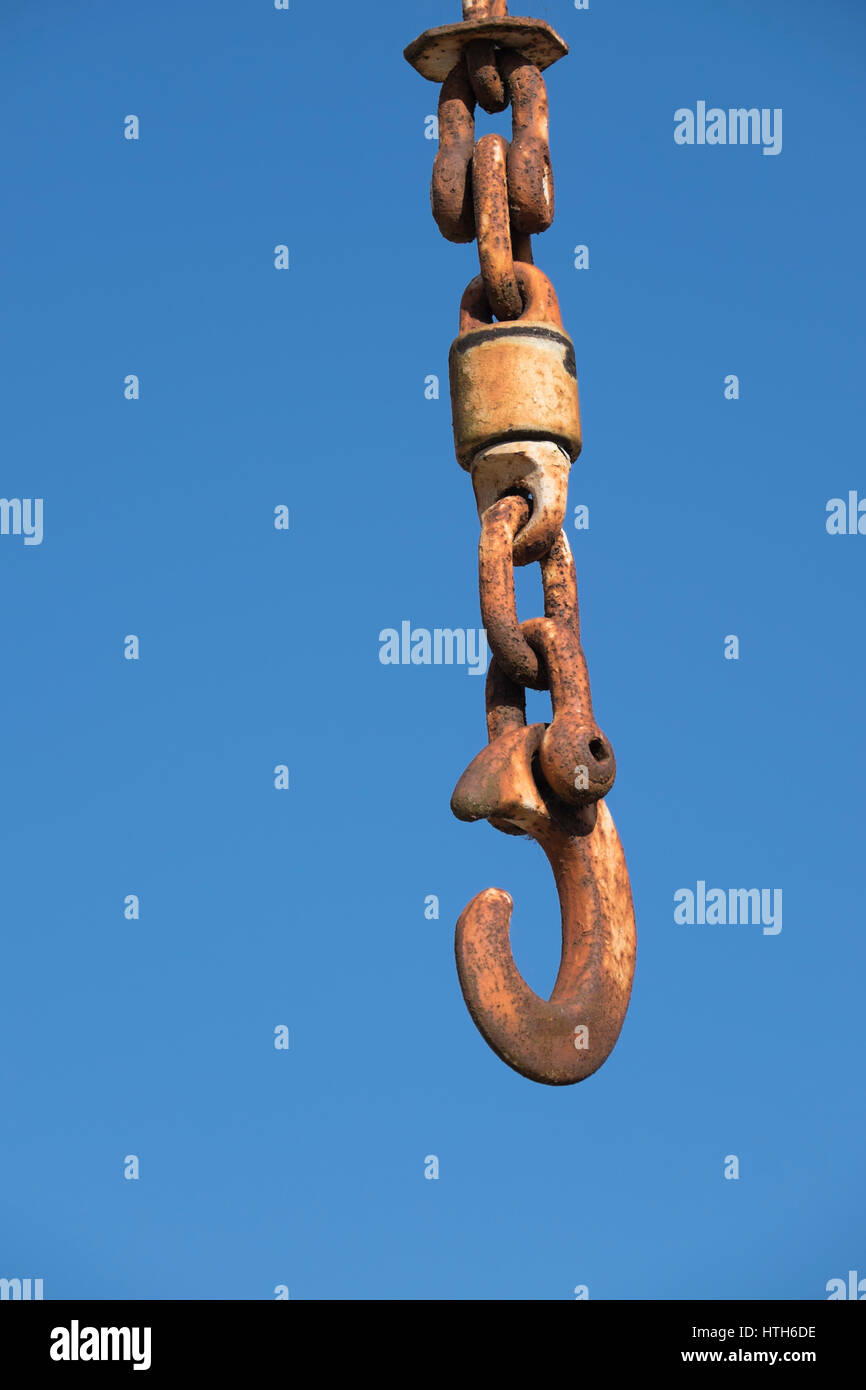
[[517, 431], [495, 191]]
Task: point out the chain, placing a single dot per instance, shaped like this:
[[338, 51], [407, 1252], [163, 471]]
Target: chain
[[494, 191], [517, 431]]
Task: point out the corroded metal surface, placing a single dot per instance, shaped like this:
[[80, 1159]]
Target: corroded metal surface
[[493, 227], [516, 658], [536, 468], [513, 380], [518, 187], [485, 9], [516, 419], [484, 75], [546, 781], [567, 1037], [435, 52], [529, 171], [451, 182]]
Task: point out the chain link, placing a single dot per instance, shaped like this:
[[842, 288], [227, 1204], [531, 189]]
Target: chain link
[[495, 191]]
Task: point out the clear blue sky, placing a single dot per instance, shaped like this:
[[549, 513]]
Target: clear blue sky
[[306, 907]]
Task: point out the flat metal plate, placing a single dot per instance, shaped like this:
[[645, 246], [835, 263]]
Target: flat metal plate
[[436, 51]]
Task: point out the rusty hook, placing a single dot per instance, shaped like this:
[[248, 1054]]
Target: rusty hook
[[567, 1037], [548, 782]]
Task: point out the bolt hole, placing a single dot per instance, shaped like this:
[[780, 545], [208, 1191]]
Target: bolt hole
[[521, 492]]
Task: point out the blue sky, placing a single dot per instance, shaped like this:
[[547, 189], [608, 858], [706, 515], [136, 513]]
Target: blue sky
[[305, 907]]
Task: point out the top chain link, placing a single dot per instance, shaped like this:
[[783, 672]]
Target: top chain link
[[497, 191]]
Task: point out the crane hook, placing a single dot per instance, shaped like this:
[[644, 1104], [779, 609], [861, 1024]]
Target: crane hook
[[523, 783], [568, 1037]]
